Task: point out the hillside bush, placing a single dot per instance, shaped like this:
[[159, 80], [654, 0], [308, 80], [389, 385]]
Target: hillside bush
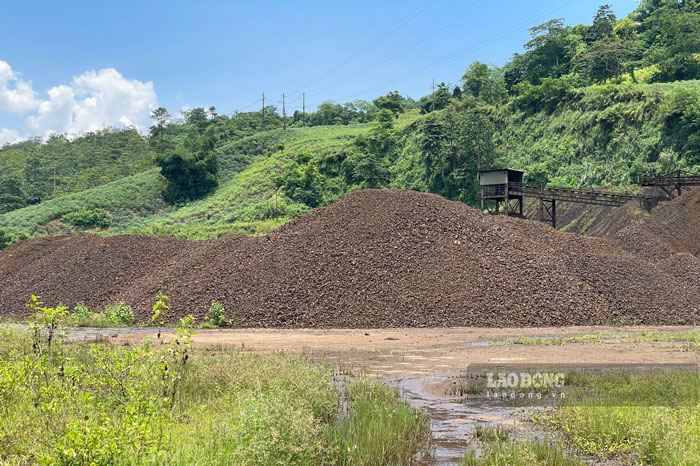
[[81, 311], [88, 218], [302, 182], [189, 175], [6, 239]]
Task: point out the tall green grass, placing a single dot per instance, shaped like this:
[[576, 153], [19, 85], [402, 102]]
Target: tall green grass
[[100, 404], [658, 425], [497, 448]]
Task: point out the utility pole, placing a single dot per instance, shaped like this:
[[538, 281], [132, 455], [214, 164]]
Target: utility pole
[[262, 112], [284, 116], [303, 109], [432, 103]]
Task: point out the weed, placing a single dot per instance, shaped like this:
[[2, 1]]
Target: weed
[[654, 426], [160, 309], [119, 313], [217, 315], [81, 311]]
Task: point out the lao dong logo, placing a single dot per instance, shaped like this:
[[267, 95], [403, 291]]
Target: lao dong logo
[[525, 380]]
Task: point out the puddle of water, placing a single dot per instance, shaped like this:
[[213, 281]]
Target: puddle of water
[[452, 421], [92, 334]]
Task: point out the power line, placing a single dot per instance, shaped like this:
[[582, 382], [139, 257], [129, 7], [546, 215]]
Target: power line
[[459, 53], [250, 105], [409, 46], [369, 45], [436, 64], [336, 51]]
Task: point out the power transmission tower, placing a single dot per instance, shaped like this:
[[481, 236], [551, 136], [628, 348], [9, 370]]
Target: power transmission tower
[[303, 109], [432, 103], [263, 111], [284, 114]]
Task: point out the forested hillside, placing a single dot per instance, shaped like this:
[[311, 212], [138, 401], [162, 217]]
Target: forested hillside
[[581, 105]]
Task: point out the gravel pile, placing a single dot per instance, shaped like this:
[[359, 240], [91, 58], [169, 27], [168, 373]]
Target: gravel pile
[[379, 259]]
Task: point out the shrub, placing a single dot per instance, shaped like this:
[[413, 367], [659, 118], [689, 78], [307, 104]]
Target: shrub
[[547, 96], [120, 313], [88, 218], [6, 239], [190, 176], [217, 315], [81, 311]]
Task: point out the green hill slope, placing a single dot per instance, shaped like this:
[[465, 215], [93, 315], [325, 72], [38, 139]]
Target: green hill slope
[[595, 136], [603, 135], [126, 200], [242, 204]]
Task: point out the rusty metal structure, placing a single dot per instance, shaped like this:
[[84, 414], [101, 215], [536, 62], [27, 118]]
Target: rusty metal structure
[[673, 184], [505, 188]]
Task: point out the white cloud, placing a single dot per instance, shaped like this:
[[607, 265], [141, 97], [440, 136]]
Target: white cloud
[[90, 102], [16, 95], [8, 136]]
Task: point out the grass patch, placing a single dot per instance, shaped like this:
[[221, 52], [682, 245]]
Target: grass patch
[[159, 404], [499, 449], [659, 424], [690, 340]]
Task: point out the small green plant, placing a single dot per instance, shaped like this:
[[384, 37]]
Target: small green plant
[[160, 310], [488, 433], [46, 319], [217, 315], [180, 346], [120, 313], [81, 311]]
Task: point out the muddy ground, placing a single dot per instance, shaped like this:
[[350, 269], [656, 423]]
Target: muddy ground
[[425, 363]]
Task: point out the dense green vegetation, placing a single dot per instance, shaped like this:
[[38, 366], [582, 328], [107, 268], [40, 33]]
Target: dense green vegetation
[[167, 403], [32, 171], [582, 105], [642, 419]]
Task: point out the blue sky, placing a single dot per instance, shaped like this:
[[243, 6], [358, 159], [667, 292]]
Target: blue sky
[[79, 66]]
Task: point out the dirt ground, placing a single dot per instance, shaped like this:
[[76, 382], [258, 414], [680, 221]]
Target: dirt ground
[[411, 352], [425, 363]]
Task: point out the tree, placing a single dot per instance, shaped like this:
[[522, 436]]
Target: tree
[[161, 118], [456, 144], [443, 96], [301, 181], [197, 118], [603, 24], [676, 45], [392, 101], [484, 83], [607, 58], [514, 71], [368, 166], [189, 176], [6, 239], [12, 194], [329, 113], [549, 51]]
